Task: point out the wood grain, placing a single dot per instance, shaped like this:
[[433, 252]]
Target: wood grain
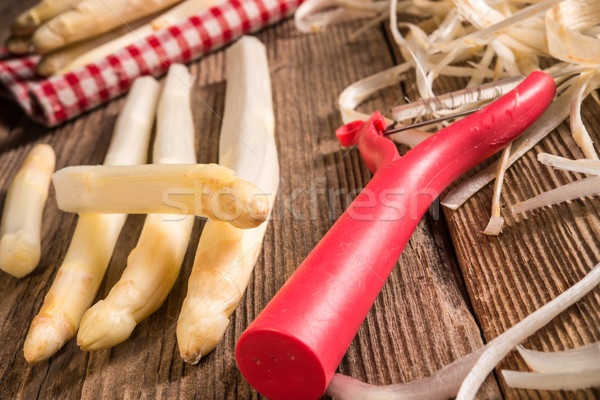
[[451, 291]]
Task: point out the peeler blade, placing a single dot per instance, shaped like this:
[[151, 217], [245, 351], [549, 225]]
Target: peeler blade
[[413, 115]]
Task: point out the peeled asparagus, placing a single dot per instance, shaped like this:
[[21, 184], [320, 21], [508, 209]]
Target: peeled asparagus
[[20, 242], [89, 253], [226, 255], [153, 266], [31, 19], [206, 190], [90, 18]]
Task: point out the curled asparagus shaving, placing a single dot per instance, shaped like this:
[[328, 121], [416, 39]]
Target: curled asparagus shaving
[[153, 266], [441, 385], [20, 242], [582, 188], [496, 223], [571, 191], [565, 27], [315, 15], [553, 381], [572, 369], [30, 20], [556, 362], [90, 18], [578, 130], [584, 166], [226, 255], [205, 190], [89, 253]]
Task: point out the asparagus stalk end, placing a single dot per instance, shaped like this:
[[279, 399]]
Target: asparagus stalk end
[[47, 334], [103, 326]]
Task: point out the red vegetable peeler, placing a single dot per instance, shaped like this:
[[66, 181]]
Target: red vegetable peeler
[[294, 346]]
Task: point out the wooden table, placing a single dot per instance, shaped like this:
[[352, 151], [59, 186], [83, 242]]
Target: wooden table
[[453, 289]]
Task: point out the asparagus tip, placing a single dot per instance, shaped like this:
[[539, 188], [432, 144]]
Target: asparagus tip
[[48, 333], [198, 336], [103, 326]]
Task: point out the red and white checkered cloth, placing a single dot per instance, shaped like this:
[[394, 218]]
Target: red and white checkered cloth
[[54, 100]]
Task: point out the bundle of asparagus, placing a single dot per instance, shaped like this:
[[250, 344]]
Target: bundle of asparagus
[[229, 246], [95, 237], [73, 33], [153, 266]]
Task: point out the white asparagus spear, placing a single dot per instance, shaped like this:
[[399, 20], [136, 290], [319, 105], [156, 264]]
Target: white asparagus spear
[[20, 242], [89, 253], [226, 255], [206, 190], [74, 58], [90, 18], [31, 19], [153, 266]]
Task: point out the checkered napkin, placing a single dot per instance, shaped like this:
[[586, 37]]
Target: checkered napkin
[[54, 100]]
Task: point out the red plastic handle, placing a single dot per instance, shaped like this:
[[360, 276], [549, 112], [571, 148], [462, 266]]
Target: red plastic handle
[[294, 346]]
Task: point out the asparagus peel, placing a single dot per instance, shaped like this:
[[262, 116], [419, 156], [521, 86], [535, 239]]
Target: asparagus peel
[[226, 255], [153, 266], [89, 253], [20, 242]]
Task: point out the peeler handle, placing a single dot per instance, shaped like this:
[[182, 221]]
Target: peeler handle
[[293, 347]]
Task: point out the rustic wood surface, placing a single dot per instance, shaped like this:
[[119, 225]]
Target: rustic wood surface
[[452, 290]]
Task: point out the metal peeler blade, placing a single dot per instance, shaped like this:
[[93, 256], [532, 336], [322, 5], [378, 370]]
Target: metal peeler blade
[[477, 96]]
